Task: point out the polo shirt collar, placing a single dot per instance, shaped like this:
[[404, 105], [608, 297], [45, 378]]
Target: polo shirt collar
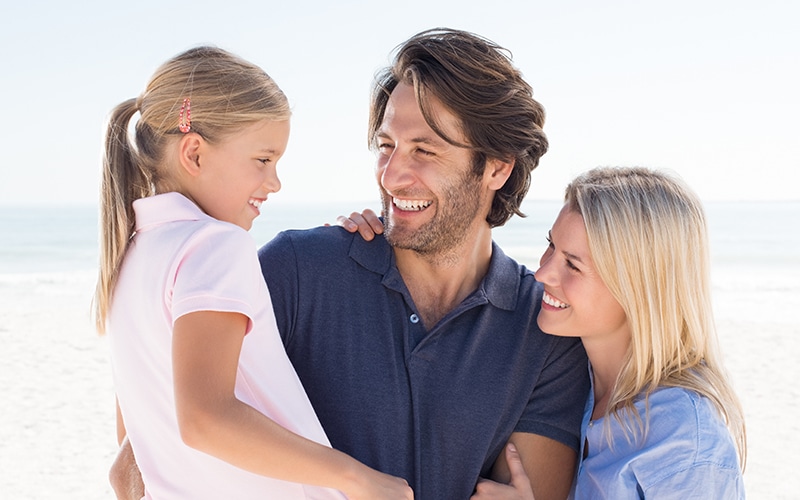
[[500, 285], [162, 208]]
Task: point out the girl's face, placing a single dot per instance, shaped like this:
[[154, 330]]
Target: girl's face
[[576, 302], [238, 173]]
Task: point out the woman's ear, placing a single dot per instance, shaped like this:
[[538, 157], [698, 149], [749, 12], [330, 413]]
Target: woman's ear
[[189, 153], [497, 172]]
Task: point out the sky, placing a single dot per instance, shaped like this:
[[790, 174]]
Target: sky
[[707, 89]]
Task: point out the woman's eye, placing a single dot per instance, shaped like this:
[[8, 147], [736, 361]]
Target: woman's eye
[[571, 265]]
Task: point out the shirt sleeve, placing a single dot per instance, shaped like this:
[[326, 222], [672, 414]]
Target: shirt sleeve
[[699, 482], [555, 407], [215, 271]]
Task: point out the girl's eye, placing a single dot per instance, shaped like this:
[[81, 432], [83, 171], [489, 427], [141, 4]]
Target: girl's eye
[[265, 160]]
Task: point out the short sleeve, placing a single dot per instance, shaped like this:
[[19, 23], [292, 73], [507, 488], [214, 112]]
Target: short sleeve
[[555, 407], [216, 270]]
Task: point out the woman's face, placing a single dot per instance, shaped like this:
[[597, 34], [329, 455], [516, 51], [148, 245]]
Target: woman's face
[[576, 301]]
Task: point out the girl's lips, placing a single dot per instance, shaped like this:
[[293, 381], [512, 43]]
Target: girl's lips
[[256, 204]]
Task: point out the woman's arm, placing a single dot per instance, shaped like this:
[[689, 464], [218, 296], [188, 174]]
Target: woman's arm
[[205, 349]]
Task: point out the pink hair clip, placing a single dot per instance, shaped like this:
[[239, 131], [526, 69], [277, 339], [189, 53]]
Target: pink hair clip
[[185, 125]]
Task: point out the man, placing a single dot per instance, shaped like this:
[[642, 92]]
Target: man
[[420, 351]]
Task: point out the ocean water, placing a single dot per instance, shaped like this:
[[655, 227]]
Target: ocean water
[[744, 235]]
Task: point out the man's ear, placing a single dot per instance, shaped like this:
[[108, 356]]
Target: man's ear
[[497, 172], [189, 153]]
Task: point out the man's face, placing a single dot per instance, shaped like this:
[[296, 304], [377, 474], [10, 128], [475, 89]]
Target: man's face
[[431, 198]]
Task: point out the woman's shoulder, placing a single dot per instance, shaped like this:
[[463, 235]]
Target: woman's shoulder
[[690, 422], [696, 446]]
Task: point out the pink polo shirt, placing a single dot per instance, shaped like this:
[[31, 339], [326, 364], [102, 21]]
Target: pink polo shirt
[[179, 261]]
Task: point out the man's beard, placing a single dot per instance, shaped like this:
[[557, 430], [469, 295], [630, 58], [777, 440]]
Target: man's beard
[[456, 209]]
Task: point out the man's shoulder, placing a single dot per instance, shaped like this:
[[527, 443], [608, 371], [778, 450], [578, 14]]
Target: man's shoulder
[[325, 239], [325, 249]]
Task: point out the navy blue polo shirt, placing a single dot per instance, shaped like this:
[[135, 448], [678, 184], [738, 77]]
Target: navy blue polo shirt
[[434, 407]]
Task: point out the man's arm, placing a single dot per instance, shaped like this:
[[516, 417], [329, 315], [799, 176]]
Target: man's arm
[[124, 476], [549, 464]]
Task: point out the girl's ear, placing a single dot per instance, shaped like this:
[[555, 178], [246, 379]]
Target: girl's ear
[[497, 172], [189, 153]]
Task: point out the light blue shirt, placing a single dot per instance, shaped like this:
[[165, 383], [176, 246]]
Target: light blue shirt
[[688, 453]]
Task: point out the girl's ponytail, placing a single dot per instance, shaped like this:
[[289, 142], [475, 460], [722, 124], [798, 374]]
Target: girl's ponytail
[[122, 183]]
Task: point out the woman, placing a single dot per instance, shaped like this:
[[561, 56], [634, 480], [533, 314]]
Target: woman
[[627, 270]]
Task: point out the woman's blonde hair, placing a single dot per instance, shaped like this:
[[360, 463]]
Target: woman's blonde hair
[[226, 94], [648, 239]]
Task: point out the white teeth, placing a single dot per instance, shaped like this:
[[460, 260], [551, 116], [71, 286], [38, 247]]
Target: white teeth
[[552, 301], [411, 205], [255, 203]]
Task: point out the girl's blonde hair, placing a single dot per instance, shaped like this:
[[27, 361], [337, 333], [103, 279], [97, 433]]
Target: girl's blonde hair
[[226, 94], [648, 239]]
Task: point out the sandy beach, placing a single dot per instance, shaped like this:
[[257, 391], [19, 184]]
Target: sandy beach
[[57, 436]]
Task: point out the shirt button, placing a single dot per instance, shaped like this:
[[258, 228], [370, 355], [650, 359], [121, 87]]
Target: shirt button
[[414, 318]]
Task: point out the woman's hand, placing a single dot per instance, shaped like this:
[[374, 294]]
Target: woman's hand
[[366, 223], [518, 489]]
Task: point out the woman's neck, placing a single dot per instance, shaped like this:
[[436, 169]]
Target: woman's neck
[[607, 357]]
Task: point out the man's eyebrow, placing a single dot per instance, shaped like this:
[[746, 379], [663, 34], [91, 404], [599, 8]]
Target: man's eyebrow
[[433, 141]]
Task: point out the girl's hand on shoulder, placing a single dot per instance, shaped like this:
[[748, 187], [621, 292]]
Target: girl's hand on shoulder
[[366, 223], [518, 489]]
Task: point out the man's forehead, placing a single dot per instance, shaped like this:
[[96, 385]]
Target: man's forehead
[[404, 114]]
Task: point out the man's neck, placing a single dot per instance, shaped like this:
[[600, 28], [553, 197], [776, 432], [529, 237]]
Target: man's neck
[[438, 283]]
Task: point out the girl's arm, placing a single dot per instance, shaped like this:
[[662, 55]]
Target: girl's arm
[[366, 223], [205, 350]]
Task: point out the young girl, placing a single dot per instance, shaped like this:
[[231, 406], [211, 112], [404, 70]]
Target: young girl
[[627, 270], [210, 402]]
